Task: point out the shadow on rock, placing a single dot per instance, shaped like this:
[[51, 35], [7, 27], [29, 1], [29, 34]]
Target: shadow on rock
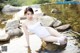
[[52, 48]]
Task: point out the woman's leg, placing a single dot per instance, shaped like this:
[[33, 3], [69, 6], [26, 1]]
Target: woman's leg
[[53, 32], [60, 37], [49, 39], [55, 40]]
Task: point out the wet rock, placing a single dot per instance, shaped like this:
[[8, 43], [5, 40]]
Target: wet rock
[[10, 9], [4, 36], [13, 28], [51, 48], [63, 27]]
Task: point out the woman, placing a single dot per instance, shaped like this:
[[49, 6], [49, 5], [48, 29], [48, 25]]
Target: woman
[[33, 25]]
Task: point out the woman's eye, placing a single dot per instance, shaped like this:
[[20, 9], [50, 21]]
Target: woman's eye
[[29, 14]]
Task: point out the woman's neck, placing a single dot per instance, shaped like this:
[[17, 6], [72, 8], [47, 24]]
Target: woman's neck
[[30, 19]]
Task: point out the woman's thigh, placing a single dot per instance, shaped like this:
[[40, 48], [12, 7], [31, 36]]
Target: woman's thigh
[[62, 40], [53, 32], [50, 38]]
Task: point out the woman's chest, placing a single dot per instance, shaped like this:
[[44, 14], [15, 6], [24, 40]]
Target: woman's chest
[[33, 22]]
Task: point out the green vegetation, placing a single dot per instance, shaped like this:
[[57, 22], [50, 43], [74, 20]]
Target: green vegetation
[[69, 14], [16, 3], [42, 1], [23, 2]]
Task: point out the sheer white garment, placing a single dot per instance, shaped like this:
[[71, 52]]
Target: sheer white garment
[[38, 29]]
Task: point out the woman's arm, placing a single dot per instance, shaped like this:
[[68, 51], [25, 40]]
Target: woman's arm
[[25, 31], [27, 36]]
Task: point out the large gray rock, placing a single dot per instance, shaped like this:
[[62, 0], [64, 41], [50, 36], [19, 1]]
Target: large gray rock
[[63, 27], [4, 36], [8, 9], [46, 20], [15, 32], [13, 28], [12, 25]]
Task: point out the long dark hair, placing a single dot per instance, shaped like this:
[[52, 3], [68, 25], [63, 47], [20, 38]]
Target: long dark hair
[[28, 9]]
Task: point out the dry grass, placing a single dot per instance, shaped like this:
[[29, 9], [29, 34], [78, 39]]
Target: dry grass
[[69, 14]]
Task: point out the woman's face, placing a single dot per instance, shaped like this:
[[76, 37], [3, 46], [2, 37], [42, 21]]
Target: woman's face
[[29, 15]]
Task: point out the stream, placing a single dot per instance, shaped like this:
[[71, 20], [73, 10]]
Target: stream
[[16, 45]]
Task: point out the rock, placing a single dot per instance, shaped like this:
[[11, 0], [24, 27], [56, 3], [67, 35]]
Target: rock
[[4, 36], [37, 9], [2, 19], [15, 32], [57, 23], [4, 22], [13, 28], [55, 11], [20, 15], [12, 24], [10, 9], [63, 27], [51, 48], [46, 20]]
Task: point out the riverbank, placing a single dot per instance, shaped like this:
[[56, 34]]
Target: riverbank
[[17, 44], [67, 13]]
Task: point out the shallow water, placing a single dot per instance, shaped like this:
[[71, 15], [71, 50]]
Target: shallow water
[[71, 47], [16, 45]]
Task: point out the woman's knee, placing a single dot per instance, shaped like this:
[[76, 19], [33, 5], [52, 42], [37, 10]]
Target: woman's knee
[[49, 38], [63, 40]]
